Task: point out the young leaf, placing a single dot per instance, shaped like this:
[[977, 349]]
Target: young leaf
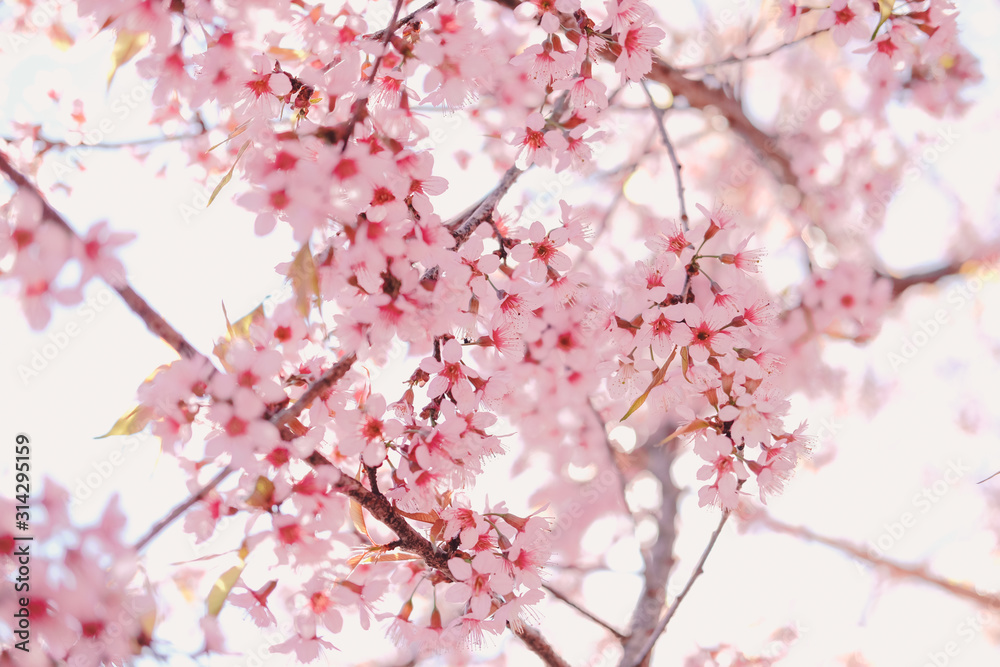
[[655, 382], [223, 585], [305, 280], [263, 494], [229, 174], [695, 425], [127, 45], [238, 329], [131, 422], [885, 11], [235, 133], [358, 517]]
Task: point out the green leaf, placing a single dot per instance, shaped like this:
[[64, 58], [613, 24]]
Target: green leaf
[[224, 584], [127, 45], [229, 174], [655, 382], [885, 11], [131, 422]]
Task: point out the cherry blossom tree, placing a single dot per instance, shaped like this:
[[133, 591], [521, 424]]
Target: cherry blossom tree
[[347, 423]]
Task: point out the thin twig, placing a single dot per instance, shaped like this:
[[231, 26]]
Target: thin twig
[[380, 35], [662, 625], [361, 104], [108, 145], [562, 598], [175, 513], [753, 56], [658, 114], [894, 567]]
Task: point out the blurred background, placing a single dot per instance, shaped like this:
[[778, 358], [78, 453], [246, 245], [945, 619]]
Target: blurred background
[[893, 481]]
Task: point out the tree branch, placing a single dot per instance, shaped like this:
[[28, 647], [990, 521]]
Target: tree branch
[[380, 35], [540, 647], [562, 598], [753, 56], [895, 568], [901, 284], [317, 388], [662, 625], [700, 95], [658, 114], [468, 223], [659, 559]]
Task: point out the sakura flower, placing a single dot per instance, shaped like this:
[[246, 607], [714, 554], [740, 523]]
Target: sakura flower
[[631, 377], [789, 14], [717, 450], [700, 330], [362, 589], [264, 90], [622, 14], [541, 253], [538, 143], [95, 253], [544, 63], [37, 267], [577, 225], [745, 260], [637, 44], [584, 91], [846, 19], [365, 431]]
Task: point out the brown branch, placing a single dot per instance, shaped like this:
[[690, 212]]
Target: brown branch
[[658, 114], [361, 105], [699, 95], [659, 559], [482, 212], [562, 598], [919, 572], [662, 624], [409, 539], [380, 35], [540, 647], [175, 513], [901, 284], [320, 386]]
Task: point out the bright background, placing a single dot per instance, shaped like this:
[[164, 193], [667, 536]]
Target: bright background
[[883, 452]]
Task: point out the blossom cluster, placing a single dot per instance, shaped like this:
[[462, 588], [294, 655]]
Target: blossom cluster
[[39, 251], [89, 601]]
